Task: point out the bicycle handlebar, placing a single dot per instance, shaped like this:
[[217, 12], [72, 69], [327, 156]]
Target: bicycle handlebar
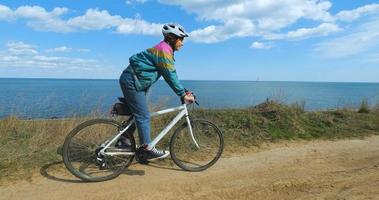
[[188, 92]]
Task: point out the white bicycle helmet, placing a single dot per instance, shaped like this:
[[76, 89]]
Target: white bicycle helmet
[[175, 29]]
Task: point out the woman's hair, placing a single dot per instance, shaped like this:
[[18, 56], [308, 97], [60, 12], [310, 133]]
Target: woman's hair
[[171, 39]]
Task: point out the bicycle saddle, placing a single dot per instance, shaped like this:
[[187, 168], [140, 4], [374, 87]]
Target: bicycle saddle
[[122, 99]]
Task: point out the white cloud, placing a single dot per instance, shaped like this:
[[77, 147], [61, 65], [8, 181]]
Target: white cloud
[[37, 12], [229, 19], [232, 28], [55, 61], [19, 54], [65, 49], [260, 45], [60, 49], [264, 16], [304, 33], [82, 50], [20, 48], [136, 26], [350, 15], [362, 38], [94, 19], [40, 19], [321, 30], [268, 17], [130, 2], [5, 13]]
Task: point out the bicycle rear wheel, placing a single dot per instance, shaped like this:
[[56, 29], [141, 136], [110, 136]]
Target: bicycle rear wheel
[[81, 147], [187, 155]]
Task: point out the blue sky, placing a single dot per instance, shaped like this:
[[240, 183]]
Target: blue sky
[[289, 40]]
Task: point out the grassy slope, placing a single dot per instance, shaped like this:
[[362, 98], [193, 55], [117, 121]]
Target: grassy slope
[[29, 144]]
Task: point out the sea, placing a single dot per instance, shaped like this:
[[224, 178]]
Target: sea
[[60, 98]]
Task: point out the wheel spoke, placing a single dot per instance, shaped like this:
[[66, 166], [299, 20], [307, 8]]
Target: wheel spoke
[[78, 145], [189, 157], [80, 152], [81, 157]]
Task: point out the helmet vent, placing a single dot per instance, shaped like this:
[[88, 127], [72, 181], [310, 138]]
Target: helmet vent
[[174, 29]]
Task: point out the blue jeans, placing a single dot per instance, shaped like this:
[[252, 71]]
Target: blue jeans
[[137, 103]]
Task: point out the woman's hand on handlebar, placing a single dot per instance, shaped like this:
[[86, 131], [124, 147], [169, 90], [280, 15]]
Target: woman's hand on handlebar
[[189, 98]]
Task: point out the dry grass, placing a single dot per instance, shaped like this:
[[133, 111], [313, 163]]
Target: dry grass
[[30, 144], [27, 144]]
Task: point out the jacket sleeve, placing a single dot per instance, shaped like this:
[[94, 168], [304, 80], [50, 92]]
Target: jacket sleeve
[[165, 65]]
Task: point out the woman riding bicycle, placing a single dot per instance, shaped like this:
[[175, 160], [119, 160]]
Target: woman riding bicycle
[[144, 69]]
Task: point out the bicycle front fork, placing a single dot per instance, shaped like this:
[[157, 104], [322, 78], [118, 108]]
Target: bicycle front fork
[[191, 132]]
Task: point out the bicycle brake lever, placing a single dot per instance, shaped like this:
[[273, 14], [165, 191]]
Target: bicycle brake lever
[[194, 96]]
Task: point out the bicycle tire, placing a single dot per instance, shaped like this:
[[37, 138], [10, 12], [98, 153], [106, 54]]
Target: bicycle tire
[[87, 152], [183, 149]]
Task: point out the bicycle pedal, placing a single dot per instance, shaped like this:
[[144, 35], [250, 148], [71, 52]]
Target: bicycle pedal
[[101, 163], [103, 166]]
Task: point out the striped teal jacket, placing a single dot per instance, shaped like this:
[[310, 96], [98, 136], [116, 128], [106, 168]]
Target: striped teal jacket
[[149, 65]]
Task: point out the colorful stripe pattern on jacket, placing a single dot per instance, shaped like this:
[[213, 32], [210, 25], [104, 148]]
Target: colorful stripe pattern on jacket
[[154, 62]]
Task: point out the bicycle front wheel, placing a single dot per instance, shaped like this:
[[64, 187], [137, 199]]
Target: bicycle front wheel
[[81, 151], [191, 157]]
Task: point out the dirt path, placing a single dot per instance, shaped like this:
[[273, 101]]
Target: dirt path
[[347, 169]]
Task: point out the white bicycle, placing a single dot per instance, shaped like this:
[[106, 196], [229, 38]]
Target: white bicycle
[[90, 153]]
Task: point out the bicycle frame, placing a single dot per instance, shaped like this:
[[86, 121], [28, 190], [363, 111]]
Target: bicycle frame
[[183, 113]]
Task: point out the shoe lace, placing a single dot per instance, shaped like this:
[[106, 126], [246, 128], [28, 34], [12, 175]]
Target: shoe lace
[[156, 151]]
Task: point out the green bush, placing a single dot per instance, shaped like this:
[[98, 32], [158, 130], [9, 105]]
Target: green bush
[[364, 107]]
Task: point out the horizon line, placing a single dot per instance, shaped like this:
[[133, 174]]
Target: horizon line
[[55, 78]]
